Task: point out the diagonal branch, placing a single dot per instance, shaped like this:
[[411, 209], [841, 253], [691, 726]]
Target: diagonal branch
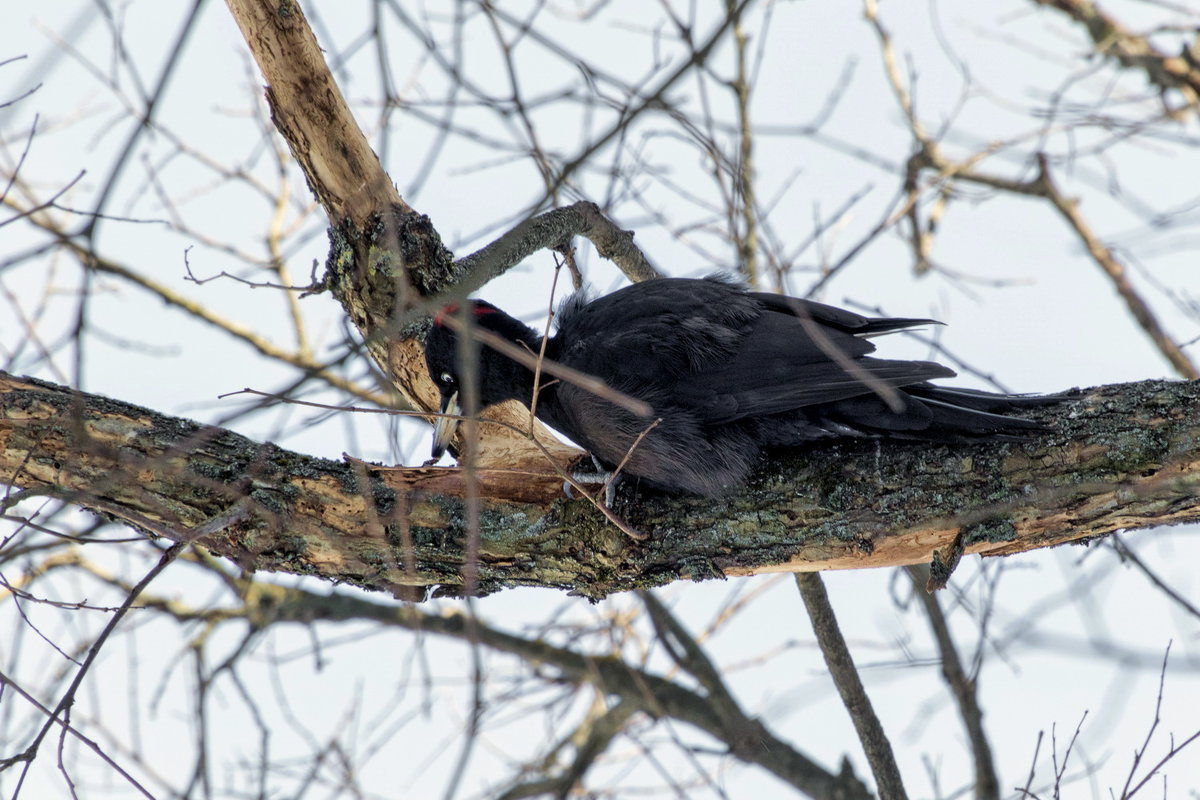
[[962, 685], [849, 685], [551, 231], [1103, 255], [312, 115], [1132, 50]]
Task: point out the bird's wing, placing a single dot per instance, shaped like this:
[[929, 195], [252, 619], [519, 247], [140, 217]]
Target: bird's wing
[[835, 317], [722, 354], [720, 402], [788, 361], [655, 331]]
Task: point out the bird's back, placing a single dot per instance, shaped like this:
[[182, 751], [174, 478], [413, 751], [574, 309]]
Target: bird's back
[[729, 372]]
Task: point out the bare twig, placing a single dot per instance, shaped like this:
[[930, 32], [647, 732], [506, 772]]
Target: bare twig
[[91, 744], [744, 195], [1140, 753], [1116, 272], [1128, 555], [929, 155], [1060, 770], [590, 739], [987, 786], [849, 685], [1132, 50], [68, 697]]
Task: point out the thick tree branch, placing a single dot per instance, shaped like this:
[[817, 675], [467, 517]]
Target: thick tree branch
[[307, 107], [1122, 457]]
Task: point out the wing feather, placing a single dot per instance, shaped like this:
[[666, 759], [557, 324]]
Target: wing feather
[[724, 354]]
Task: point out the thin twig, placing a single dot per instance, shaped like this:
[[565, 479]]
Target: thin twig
[[849, 685], [1140, 753], [68, 697], [1128, 555], [987, 785]]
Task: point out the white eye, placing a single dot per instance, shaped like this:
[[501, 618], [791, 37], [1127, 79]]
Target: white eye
[[446, 377]]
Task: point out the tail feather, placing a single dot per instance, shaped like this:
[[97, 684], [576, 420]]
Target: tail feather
[[983, 401], [935, 413], [963, 420]]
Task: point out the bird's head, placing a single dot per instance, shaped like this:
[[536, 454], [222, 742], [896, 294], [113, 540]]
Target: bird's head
[[498, 378]]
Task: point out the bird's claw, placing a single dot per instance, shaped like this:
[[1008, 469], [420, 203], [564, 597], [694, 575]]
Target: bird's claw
[[598, 475]]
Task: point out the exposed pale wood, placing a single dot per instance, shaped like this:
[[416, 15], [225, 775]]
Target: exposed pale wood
[[1122, 457], [385, 257], [308, 109]]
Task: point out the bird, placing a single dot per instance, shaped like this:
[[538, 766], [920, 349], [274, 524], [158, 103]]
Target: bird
[[716, 374]]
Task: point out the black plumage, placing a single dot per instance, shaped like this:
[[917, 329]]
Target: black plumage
[[727, 373]]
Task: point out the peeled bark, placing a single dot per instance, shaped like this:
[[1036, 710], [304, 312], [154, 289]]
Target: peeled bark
[[385, 258], [1121, 457]]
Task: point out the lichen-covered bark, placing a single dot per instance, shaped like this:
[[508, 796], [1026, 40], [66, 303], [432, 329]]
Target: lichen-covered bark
[[385, 258], [1121, 457], [373, 273]]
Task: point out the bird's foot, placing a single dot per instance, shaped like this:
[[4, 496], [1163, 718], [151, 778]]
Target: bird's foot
[[599, 474], [610, 480]]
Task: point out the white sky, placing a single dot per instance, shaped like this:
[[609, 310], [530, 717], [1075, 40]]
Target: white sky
[[1059, 325]]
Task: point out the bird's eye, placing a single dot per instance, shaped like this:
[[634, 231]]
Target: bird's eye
[[446, 378]]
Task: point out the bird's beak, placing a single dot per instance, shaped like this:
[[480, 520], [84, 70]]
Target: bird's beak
[[443, 430]]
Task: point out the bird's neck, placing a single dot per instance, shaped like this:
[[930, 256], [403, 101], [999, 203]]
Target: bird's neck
[[503, 378]]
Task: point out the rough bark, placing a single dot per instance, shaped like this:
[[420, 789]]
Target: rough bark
[[385, 257], [308, 109], [1121, 457]]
